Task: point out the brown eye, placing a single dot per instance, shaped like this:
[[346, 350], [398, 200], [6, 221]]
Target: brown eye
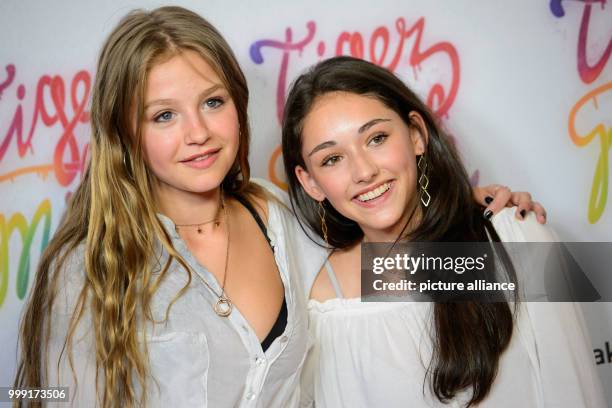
[[378, 139], [330, 161]]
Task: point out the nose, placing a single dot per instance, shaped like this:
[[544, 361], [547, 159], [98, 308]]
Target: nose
[[363, 168], [196, 131]]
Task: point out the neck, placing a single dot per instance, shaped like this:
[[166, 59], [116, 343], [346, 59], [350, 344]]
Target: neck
[[412, 217], [186, 208]]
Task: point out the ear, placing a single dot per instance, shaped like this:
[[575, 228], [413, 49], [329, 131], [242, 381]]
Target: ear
[[309, 184], [418, 132]]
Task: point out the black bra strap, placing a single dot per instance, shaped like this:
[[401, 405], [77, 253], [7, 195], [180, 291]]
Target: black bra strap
[[255, 215], [278, 328]]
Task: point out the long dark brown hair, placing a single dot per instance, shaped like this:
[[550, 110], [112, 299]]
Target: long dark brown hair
[[113, 210], [470, 336]]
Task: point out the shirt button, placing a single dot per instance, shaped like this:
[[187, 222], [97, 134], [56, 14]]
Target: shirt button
[[284, 339], [260, 361], [250, 396]]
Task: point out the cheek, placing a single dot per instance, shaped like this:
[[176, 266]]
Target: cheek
[[334, 183], [227, 127], [159, 149], [399, 157], [402, 163]]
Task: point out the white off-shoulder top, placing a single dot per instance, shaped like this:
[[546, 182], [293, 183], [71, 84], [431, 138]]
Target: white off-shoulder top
[[377, 354]]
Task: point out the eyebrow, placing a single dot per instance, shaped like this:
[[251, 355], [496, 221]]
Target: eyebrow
[[361, 129], [202, 95], [322, 146], [371, 123]]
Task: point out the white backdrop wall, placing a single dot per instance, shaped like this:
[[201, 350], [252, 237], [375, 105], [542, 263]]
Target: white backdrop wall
[[525, 87]]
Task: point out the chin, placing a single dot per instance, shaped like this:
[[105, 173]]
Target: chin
[[207, 182], [205, 188], [383, 227], [379, 224], [197, 187], [383, 219]]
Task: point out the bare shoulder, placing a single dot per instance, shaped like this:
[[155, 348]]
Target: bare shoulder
[[346, 261], [346, 265], [322, 288]]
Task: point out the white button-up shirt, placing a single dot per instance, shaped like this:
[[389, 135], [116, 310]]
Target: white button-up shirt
[[198, 359]]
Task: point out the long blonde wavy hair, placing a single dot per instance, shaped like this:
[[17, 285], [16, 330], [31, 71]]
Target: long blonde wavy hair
[[113, 210]]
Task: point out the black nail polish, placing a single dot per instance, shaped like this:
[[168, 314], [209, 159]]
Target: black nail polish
[[488, 214], [488, 199], [523, 212]]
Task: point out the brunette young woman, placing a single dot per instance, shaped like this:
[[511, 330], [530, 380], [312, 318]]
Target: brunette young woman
[[367, 161]]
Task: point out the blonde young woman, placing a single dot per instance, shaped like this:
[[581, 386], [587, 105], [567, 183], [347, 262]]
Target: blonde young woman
[[172, 279], [367, 160]]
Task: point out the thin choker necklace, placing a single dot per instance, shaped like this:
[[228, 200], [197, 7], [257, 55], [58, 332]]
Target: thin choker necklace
[[216, 220]]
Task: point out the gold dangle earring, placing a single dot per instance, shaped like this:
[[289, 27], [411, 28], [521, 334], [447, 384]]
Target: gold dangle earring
[[423, 181], [321, 212]]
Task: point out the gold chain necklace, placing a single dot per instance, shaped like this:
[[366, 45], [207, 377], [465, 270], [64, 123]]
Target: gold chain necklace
[[223, 307]]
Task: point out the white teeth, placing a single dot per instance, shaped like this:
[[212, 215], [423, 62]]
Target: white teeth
[[201, 157], [377, 192]]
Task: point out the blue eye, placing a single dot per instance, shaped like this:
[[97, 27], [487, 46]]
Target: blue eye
[[214, 103], [331, 160], [378, 139], [164, 117]]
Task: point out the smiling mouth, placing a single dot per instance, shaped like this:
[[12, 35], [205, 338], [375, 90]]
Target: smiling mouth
[[377, 192], [202, 157]]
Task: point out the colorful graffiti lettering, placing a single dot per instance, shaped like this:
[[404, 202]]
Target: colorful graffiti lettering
[[599, 189], [10, 75], [17, 222], [437, 99], [54, 103], [556, 6], [353, 43], [286, 47], [588, 74], [65, 168]]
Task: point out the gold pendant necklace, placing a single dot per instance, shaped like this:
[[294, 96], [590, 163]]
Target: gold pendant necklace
[[223, 306]]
